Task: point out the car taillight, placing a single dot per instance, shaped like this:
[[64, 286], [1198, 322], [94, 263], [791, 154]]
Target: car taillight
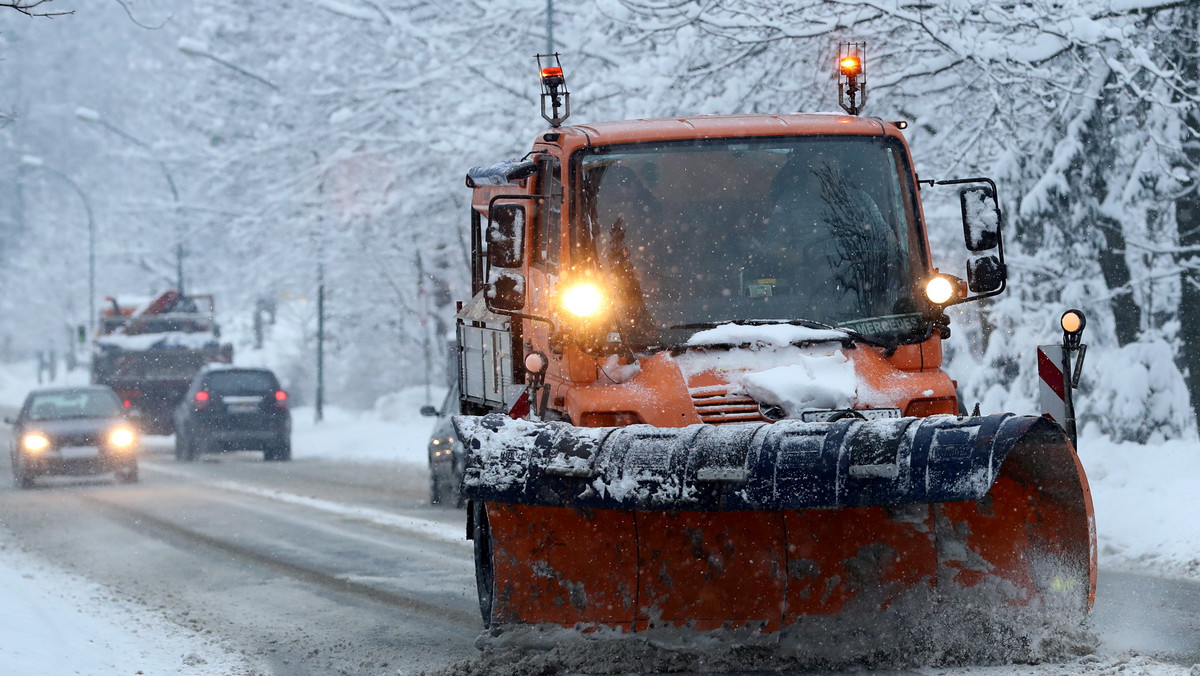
[[201, 400], [280, 399], [127, 403]]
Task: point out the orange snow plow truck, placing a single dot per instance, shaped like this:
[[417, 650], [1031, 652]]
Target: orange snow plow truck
[[701, 385]]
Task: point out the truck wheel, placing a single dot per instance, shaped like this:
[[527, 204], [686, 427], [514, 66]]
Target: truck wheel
[[456, 494], [484, 572]]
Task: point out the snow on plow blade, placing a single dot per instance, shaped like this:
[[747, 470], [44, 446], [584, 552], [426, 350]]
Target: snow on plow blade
[[764, 525]]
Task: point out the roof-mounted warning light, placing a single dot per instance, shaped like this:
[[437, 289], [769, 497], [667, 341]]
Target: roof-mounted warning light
[[852, 76], [554, 89]]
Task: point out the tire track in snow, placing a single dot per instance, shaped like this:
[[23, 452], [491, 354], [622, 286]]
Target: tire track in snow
[[423, 527], [166, 529]]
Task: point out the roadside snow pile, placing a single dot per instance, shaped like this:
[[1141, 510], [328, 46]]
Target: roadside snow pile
[[394, 431], [18, 378], [1145, 498], [1139, 395], [57, 623]]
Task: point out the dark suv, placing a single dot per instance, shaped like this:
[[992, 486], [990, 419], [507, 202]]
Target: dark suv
[[233, 408]]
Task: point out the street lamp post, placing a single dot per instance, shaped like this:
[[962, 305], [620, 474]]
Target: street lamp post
[[90, 115], [36, 162], [94, 117]]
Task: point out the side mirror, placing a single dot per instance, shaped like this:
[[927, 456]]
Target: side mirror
[[506, 235], [428, 411], [8, 420], [506, 292], [986, 274], [981, 217]]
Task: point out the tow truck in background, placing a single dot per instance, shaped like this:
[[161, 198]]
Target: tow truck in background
[[149, 353], [701, 383]]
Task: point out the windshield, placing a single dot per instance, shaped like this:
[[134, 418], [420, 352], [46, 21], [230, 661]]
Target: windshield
[[698, 233], [77, 404]]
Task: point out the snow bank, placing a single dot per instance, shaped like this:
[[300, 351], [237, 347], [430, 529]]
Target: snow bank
[[1145, 497], [1139, 394], [17, 379], [57, 623], [394, 431]]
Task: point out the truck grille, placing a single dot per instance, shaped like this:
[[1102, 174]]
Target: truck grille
[[716, 406]]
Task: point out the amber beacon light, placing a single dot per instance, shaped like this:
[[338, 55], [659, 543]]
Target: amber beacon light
[[852, 76]]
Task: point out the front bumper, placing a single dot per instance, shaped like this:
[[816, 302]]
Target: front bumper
[[79, 460]]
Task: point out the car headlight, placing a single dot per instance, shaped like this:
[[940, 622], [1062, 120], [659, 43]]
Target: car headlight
[[122, 437], [35, 442]]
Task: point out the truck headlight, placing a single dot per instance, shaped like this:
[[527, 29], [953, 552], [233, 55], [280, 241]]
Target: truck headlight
[[583, 299], [122, 437], [35, 442], [940, 290]]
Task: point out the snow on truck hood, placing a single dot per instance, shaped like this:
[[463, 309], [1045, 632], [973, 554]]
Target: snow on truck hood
[[773, 369], [768, 334]]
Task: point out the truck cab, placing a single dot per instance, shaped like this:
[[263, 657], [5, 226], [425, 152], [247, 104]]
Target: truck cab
[[617, 252]]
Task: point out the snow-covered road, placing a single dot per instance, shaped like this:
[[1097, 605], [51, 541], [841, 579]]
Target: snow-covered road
[[335, 563]]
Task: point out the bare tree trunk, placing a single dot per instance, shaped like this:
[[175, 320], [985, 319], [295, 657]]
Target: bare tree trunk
[[1126, 314], [1187, 207]]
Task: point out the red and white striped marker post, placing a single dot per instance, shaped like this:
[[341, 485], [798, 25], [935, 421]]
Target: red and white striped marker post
[[1057, 378]]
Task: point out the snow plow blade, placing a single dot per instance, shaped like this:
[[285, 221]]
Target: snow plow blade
[[766, 525]]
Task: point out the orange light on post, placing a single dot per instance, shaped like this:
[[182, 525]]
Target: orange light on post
[[852, 76], [556, 100]]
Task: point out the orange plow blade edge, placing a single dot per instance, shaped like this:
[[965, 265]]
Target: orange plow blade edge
[[765, 526]]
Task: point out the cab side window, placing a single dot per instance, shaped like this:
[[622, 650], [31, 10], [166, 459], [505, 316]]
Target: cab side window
[[548, 241]]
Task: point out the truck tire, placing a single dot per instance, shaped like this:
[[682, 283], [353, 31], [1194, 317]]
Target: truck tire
[[456, 493], [484, 571]]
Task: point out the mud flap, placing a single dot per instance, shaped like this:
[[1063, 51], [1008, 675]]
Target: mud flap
[[765, 525]]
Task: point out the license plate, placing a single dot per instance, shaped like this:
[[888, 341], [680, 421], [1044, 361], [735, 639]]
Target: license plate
[[865, 413], [241, 404], [76, 452]]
